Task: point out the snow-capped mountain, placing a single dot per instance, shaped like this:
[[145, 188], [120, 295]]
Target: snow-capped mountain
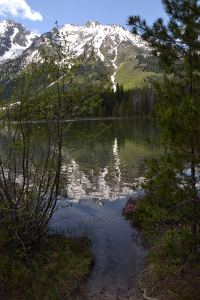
[[113, 44], [104, 38], [14, 39], [110, 42]]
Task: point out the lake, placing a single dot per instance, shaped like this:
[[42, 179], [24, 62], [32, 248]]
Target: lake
[[99, 179]]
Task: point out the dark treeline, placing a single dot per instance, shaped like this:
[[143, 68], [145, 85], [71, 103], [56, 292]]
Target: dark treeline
[[132, 102], [148, 64]]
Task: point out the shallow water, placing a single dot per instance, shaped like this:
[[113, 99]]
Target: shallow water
[[100, 176], [117, 259]]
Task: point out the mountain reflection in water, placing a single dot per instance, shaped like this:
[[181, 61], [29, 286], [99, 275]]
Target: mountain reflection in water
[[107, 167]]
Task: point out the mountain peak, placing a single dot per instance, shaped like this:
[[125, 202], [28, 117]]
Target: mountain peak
[[91, 24], [14, 39], [113, 45]]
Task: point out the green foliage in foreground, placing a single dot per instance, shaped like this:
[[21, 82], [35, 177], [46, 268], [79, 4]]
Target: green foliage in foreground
[[173, 263], [169, 211], [53, 272], [33, 151]]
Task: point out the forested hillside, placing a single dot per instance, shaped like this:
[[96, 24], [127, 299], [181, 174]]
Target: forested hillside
[[126, 103]]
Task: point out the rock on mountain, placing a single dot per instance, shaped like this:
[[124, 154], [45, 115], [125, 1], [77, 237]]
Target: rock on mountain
[[104, 38], [113, 44], [14, 39]]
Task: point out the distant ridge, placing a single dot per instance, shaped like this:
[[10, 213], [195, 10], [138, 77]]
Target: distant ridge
[[113, 44]]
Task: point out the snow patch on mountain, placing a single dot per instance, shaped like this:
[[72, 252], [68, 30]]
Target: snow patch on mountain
[[13, 52], [14, 39], [112, 44], [114, 65], [94, 35]]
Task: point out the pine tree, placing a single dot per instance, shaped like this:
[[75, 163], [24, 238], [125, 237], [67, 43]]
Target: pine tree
[[172, 182]]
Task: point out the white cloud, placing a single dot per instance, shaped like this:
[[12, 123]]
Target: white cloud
[[1, 13], [19, 8]]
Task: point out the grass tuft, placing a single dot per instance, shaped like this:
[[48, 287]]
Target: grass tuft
[[53, 272]]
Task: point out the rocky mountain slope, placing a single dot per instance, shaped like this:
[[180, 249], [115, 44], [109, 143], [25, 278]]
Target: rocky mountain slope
[[14, 39], [115, 46]]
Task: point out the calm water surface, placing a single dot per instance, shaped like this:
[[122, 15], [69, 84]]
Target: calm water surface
[[100, 175]]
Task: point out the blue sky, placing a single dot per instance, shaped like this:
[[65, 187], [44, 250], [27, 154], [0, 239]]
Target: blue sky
[[40, 15]]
